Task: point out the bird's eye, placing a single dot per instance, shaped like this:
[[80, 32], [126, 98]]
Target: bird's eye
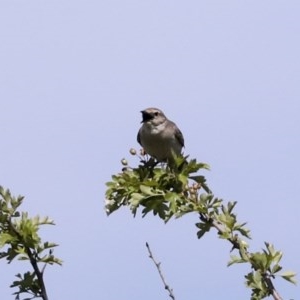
[[156, 113]]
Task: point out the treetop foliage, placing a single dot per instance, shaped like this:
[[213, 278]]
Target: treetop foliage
[[177, 189]]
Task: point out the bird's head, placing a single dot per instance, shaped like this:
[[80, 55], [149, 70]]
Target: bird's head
[[153, 116]]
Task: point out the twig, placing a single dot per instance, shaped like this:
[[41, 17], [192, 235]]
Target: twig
[[271, 288], [157, 264], [33, 262], [236, 245]]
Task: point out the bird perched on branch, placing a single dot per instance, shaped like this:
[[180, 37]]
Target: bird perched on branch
[[160, 137]]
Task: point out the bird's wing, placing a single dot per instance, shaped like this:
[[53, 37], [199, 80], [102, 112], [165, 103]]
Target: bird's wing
[[139, 137], [179, 136]]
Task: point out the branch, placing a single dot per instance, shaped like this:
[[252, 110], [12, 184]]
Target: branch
[[157, 264], [236, 245], [271, 288], [33, 262]]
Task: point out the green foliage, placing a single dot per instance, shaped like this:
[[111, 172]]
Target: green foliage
[[19, 239], [266, 266], [27, 283], [160, 190], [176, 190]]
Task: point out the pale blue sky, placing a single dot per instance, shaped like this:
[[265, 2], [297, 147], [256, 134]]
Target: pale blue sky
[[74, 76]]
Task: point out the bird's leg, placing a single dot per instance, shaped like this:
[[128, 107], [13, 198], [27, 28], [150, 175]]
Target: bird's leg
[[151, 163]]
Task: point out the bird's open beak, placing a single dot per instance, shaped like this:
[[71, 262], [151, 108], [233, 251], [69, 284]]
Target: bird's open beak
[[146, 116]]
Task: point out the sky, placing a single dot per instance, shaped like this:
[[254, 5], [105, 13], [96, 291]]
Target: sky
[[74, 76]]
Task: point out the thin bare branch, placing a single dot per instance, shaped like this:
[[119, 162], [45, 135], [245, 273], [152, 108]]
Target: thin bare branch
[[157, 264]]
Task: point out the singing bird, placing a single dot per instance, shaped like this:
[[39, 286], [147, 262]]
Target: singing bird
[[159, 136]]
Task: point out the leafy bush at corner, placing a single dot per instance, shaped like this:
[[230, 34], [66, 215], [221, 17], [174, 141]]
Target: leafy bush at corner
[[20, 240]]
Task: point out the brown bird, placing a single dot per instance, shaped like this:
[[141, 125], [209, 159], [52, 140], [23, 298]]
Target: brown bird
[[160, 137]]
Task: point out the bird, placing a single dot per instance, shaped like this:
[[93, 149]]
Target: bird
[[159, 136]]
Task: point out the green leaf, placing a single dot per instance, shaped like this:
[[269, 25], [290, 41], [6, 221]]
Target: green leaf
[[289, 276], [235, 260], [6, 238], [231, 205], [228, 220], [204, 228], [172, 198], [199, 179], [260, 261], [156, 204], [276, 269], [147, 190], [254, 280], [183, 179], [244, 231]]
